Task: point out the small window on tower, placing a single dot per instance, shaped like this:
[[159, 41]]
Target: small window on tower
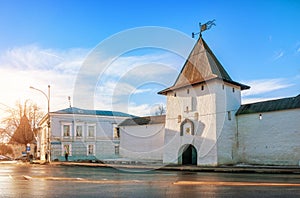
[[187, 109], [229, 115], [223, 87], [233, 90], [188, 91], [196, 115], [179, 118], [202, 87], [174, 94]]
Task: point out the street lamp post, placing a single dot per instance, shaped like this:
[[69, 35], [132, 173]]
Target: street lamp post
[[48, 153]]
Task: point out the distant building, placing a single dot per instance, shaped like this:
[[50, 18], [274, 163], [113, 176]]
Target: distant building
[[83, 134]]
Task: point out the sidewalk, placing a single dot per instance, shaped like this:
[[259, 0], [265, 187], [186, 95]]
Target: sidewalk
[[193, 168]]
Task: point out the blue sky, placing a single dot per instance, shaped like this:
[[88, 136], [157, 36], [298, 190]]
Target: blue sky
[[46, 42]]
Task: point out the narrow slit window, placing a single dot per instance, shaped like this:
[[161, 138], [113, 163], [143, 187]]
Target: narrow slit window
[[229, 115], [188, 91], [202, 87], [179, 118], [233, 90]]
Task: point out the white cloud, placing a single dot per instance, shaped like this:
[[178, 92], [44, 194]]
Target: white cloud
[[264, 89], [259, 99], [278, 55], [262, 86], [22, 67]]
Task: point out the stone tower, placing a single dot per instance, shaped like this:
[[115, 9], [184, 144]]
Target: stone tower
[[200, 118]]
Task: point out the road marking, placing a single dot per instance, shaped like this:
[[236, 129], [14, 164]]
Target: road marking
[[81, 180], [221, 183]]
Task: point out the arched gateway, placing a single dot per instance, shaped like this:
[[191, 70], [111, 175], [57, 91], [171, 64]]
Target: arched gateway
[[188, 156]]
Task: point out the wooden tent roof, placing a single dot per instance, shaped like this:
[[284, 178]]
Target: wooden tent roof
[[201, 65]]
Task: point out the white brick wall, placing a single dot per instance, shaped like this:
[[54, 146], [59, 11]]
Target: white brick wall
[[274, 140], [142, 142]]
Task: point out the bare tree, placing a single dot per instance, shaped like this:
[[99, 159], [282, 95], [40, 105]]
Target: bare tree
[[161, 110], [26, 116]]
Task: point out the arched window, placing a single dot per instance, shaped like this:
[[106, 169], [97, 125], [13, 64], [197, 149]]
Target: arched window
[[187, 127]]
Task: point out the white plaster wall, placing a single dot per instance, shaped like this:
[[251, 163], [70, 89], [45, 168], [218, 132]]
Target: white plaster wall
[[142, 142], [274, 140], [204, 139], [227, 101]]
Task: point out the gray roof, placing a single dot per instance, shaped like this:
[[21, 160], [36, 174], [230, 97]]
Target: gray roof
[[201, 66], [144, 120], [74, 110], [271, 105]]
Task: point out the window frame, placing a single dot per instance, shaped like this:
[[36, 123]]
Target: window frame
[[88, 150], [63, 124], [116, 135], [88, 130], [82, 130]]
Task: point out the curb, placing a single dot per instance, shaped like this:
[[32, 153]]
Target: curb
[[224, 169]]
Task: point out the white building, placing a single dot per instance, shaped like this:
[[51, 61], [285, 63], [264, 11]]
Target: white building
[[205, 124], [83, 134]]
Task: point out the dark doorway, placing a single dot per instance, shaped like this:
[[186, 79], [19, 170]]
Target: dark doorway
[[189, 156]]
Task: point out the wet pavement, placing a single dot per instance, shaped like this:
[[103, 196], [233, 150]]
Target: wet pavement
[[25, 180]]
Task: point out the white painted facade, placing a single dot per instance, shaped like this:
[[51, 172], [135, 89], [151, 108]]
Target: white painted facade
[[84, 137], [203, 125], [142, 142], [271, 138], [207, 106]]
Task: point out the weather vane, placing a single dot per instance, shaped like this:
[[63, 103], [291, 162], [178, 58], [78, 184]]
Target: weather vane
[[204, 27]]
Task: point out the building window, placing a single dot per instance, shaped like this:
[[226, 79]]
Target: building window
[[66, 129], [188, 91], [196, 115], [229, 115], [116, 133], [186, 109], [179, 118], [233, 90], [117, 149], [174, 94], [223, 87], [66, 148], [79, 130], [202, 87], [91, 130], [91, 149]]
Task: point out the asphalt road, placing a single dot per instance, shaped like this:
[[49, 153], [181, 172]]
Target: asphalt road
[[73, 181]]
